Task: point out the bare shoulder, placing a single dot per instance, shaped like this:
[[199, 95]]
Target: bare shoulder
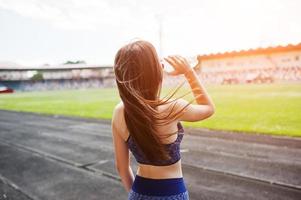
[[118, 113], [192, 112], [180, 103], [176, 104], [118, 120], [119, 107]]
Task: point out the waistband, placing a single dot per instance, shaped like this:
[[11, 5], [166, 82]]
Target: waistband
[[158, 187]]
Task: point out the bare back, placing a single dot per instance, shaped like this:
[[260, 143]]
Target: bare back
[[151, 171]]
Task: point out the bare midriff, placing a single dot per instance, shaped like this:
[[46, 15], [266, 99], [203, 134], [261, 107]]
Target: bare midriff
[[160, 172]]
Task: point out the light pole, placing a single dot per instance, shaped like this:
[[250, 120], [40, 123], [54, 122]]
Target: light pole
[[159, 18]]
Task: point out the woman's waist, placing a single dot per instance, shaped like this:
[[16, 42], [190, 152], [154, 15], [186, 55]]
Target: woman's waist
[[160, 172], [171, 187]]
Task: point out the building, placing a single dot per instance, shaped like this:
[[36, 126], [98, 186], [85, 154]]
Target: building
[[50, 77], [261, 65]]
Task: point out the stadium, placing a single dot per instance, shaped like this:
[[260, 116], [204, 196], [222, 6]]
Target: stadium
[[261, 65], [46, 77], [238, 80]]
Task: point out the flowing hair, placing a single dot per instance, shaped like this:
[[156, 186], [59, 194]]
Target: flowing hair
[[139, 75]]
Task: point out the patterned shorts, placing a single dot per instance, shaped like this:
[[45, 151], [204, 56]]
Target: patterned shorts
[[158, 189]]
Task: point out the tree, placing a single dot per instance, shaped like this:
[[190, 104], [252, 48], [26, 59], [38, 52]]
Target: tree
[[37, 77]]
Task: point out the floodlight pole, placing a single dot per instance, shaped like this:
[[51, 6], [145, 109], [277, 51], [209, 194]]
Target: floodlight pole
[[159, 17]]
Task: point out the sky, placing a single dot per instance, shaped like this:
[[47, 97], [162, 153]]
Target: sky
[[36, 32]]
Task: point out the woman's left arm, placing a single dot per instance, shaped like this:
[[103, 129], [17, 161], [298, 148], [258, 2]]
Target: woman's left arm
[[122, 157]]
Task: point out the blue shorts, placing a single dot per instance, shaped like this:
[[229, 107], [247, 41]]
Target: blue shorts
[[158, 189]]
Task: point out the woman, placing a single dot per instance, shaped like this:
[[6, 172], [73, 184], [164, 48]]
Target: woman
[[150, 127]]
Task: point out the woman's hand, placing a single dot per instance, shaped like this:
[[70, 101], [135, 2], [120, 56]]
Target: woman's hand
[[179, 63]]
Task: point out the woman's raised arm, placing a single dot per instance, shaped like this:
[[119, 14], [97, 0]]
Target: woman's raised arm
[[205, 106]]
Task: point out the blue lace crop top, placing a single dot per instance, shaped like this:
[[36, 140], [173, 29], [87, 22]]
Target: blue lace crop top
[[172, 148]]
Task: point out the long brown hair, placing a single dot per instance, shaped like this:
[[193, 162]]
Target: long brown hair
[[139, 76]]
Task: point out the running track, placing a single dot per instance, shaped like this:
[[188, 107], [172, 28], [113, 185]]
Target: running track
[[56, 157]]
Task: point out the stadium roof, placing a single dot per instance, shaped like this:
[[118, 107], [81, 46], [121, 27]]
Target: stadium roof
[[6, 64], [15, 66], [250, 52]]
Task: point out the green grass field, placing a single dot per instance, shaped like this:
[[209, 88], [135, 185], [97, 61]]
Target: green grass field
[[268, 109]]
